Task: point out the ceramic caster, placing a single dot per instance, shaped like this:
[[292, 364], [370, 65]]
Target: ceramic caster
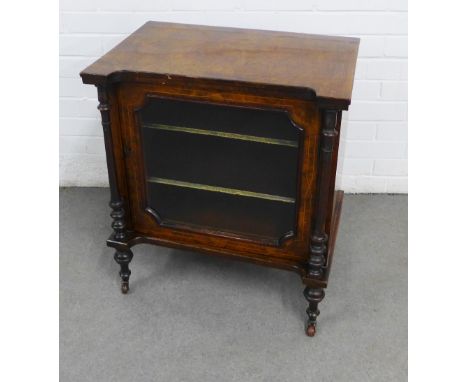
[[310, 330], [124, 287]]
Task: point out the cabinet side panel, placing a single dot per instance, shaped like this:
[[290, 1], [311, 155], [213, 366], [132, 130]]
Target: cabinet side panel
[[118, 148], [332, 189]]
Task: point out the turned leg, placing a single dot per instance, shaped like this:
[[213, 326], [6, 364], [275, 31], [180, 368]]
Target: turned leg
[[313, 296], [123, 258]]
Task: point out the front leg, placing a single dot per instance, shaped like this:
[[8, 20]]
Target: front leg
[[123, 258], [313, 296]]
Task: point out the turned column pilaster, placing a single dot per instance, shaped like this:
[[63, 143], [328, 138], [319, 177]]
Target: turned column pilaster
[[123, 255], [319, 238], [116, 203], [318, 249]]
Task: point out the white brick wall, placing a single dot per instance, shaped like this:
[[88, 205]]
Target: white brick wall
[[374, 138]]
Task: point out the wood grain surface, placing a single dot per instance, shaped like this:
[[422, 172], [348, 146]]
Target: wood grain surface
[[323, 64]]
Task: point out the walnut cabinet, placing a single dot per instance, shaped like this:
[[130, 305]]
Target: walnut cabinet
[[225, 141]]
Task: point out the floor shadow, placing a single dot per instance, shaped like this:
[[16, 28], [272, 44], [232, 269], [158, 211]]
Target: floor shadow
[[175, 264]]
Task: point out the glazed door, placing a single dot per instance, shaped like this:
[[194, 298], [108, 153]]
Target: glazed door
[[216, 168]]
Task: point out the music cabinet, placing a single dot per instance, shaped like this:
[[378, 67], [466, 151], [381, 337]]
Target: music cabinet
[[225, 141]]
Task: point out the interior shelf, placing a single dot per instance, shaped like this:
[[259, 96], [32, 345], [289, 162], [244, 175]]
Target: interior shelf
[[224, 134], [201, 210], [225, 163], [223, 190]]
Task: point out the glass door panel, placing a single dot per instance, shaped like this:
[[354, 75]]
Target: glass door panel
[[218, 168]]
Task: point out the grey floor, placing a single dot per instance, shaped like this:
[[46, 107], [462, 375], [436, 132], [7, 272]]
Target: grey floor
[[190, 317]]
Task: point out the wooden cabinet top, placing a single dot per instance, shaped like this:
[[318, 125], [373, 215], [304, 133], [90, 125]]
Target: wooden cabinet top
[[306, 64]]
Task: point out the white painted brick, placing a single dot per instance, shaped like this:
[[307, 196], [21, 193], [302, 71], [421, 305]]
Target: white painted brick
[[397, 5], [203, 5], [371, 46], [395, 91], [115, 5], [397, 185], [74, 87], [386, 69], [95, 145], [341, 157], [71, 45], [278, 5], [343, 23], [363, 5], [83, 170], [353, 183], [392, 131], [101, 22], [360, 131], [77, 6], [75, 107], [126, 23], [361, 70], [378, 111], [71, 145], [72, 66], [80, 127], [81, 145], [366, 90], [404, 71], [338, 185], [375, 150], [255, 20], [397, 167], [357, 166], [110, 42], [396, 46]]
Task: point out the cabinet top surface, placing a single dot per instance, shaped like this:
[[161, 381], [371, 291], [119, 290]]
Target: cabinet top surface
[[324, 64]]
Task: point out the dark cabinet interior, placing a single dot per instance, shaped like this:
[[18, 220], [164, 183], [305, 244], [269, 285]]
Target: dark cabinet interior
[[221, 168]]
